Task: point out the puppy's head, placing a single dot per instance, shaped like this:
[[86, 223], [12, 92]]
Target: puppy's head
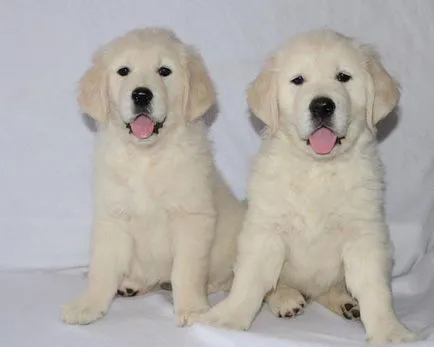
[[146, 83], [322, 90]]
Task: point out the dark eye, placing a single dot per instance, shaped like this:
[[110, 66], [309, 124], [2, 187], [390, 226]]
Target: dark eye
[[299, 80], [343, 77], [164, 71], [123, 71]]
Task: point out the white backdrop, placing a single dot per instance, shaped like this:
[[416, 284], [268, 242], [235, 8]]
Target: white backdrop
[[46, 146]]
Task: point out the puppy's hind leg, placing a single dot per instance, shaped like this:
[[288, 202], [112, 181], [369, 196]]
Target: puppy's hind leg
[[285, 302], [134, 284], [339, 301]]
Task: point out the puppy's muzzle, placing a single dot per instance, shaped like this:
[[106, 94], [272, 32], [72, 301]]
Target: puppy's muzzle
[[323, 138]]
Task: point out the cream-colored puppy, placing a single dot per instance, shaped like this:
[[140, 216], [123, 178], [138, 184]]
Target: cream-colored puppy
[[161, 212], [315, 226]]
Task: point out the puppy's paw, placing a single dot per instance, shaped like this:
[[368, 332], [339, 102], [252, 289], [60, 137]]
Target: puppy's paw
[[131, 287], [351, 310], [286, 302], [339, 301], [221, 318], [187, 316], [83, 311], [127, 292], [395, 334]]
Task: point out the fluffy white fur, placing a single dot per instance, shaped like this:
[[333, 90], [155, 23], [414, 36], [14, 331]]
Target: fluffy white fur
[[315, 224], [161, 212]]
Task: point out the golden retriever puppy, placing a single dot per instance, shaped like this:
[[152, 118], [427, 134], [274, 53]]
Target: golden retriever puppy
[[161, 212], [315, 225]]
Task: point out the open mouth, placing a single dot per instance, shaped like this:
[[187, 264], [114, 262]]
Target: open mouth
[[323, 140], [143, 126]]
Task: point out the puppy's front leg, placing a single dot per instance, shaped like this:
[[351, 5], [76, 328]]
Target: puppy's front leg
[[111, 252], [367, 273], [260, 258], [192, 239]]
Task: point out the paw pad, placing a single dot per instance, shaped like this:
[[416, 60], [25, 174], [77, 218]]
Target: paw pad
[[127, 292], [166, 286], [350, 311], [297, 310]]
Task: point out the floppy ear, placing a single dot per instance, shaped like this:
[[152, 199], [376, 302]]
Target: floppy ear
[[92, 93], [199, 93], [262, 97], [383, 94]]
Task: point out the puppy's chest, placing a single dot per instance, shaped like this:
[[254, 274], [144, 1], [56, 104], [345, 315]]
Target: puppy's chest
[[322, 200], [142, 187], [314, 244], [321, 206], [315, 223], [315, 204]]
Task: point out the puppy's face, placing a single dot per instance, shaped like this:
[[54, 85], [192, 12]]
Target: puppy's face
[[146, 83], [325, 86], [144, 86]]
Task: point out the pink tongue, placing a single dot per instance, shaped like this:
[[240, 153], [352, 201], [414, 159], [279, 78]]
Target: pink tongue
[[142, 127], [322, 141]]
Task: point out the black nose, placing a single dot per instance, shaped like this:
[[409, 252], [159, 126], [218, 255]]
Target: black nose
[[322, 107], [142, 96]]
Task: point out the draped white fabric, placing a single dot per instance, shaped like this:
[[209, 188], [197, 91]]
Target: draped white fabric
[[46, 154]]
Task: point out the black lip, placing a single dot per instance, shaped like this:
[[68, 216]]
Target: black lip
[[157, 127]]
